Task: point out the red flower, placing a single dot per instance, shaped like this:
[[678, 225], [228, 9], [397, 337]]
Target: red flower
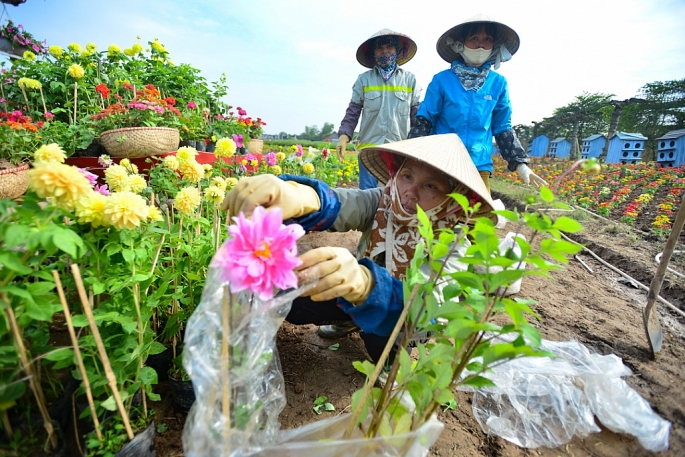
[[128, 86], [150, 87], [171, 101], [102, 89]]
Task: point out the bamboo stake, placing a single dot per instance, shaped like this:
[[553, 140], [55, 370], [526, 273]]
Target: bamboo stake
[[2, 91], [75, 99], [111, 379], [77, 352], [154, 263], [45, 108], [28, 369], [25, 97], [226, 395], [6, 425]]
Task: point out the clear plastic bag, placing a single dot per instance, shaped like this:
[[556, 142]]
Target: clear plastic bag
[[251, 379], [540, 401]]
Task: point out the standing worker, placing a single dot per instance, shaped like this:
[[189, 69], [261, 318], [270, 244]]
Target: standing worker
[[472, 100], [386, 97]]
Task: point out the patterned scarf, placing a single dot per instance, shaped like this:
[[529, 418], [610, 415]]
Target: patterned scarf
[[386, 64], [396, 231], [471, 78]]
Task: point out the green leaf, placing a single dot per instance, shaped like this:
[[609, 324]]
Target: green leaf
[[109, 404], [60, 354], [40, 288], [193, 276], [12, 262], [546, 195], [364, 367], [16, 235], [128, 254], [320, 400], [334, 347], [329, 406], [478, 382], [148, 375], [508, 215], [566, 224], [68, 241]]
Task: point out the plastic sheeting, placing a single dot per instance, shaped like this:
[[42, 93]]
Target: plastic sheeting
[[540, 401]]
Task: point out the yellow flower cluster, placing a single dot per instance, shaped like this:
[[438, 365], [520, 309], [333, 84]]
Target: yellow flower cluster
[[113, 50], [49, 153], [219, 182], [225, 147], [308, 168], [171, 162], [159, 47], [186, 154], [76, 71], [64, 184], [276, 170], [280, 156], [136, 183], [28, 83], [74, 47], [192, 171], [130, 167], [117, 178], [230, 183], [91, 209], [214, 194], [91, 47], [29, 56], [187, 199], [125, 210], [56, 51]]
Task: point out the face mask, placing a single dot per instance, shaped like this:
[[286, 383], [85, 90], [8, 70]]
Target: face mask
[[386, 60], [475, 57]]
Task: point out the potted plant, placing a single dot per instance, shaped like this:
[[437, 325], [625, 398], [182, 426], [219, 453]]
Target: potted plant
[[15, 41], [18, 139], [144, 125]]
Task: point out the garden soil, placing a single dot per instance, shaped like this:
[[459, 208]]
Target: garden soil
[[595, 308]]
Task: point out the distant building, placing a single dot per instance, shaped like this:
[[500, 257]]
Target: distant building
[[626, 148], [538, 146], [592, 146], [560, 148], [671, 149], [331, 138]]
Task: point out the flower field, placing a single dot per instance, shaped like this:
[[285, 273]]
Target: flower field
[[643, 195]]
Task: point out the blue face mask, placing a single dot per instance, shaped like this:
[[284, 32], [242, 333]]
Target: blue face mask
[[385, 61]]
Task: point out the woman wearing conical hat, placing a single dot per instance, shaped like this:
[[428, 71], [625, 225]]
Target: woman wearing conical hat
[[471, 99], [386, 96], [364, 292]]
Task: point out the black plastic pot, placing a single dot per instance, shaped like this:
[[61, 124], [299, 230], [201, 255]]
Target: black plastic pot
[[211, 146], [183, 394], [190, 143], [161, 363], [142, 445], [201, 146]]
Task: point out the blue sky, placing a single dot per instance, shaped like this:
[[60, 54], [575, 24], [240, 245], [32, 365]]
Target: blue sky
[[293, 64]]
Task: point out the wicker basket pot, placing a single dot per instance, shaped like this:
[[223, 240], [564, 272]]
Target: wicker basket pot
[[135, 142], [255, 146], [14, 181]]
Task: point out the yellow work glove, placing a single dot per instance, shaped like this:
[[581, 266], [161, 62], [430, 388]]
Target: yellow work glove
[[342, 147], [295, 200], [339, 275]]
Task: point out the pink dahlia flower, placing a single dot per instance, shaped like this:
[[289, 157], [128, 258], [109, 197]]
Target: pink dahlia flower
[[260, 254]]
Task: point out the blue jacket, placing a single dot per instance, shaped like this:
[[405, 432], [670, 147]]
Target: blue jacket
[[475, 116]]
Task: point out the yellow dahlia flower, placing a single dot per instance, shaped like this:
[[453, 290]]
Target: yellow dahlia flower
[[28, 83], [230, 182], [136, 184], [29, 56], [130, 167], [49, 153], [76, 71], [91, 47], [308, 168], [192, 171], [159, 47], [137, 48], [91, 209], [280, 156], [129, 52], [125, 210], [66, 185], [155, 215], [74, 47], [113, 50], [56, 51], [219, 182], [276, 170], [214, 194], [187, 199], [171, 162], [225, 147], [186, 154], [116, 177]]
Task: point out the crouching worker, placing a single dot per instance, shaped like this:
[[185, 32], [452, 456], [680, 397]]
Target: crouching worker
[[365, 291]]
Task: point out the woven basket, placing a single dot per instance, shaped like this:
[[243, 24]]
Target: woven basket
[[135, 142], [14, 181], [255, 146]]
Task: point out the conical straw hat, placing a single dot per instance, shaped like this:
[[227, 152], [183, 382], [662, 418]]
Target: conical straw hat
[[446, 153], [506, 36], [407, 48]]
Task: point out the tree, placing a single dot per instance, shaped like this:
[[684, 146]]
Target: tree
[[311, 133], [582, 115], [326, 130]]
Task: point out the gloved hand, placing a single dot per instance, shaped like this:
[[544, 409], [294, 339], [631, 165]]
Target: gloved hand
[[342, 147], [527, 176], [339, 274], [295, 200]]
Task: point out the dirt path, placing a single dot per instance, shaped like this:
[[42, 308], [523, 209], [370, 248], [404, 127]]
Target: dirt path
[[595, 309]]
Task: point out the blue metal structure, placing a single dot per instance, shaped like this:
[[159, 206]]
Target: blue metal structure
[[592, 146], [560, 148], [626, 148], [671, 149], [538, 146]]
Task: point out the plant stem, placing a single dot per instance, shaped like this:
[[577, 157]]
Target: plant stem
[[111, 379], [77, 353], [6, 425], [28, 369]]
